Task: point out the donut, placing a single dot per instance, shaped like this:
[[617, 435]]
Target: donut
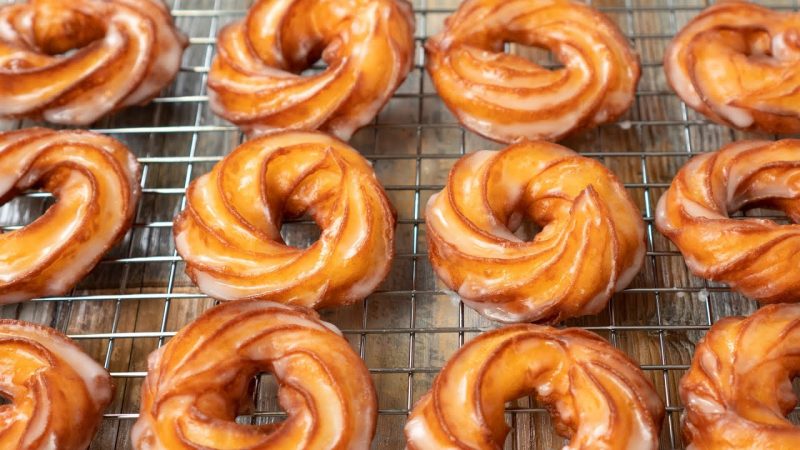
[[95, 180], [229, 233], [198, 383], [595, 394], [738, 388], [256, 81], [504, 96], [739, 65], [756, 257], [56, 392], [591, 243], [73, 62]]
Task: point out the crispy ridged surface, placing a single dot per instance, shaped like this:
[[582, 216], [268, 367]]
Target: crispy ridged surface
[[739, 64], [595, 393], [505, 97], [757, 257], [591, 244], [738, 389], [72, 62], [199, 381], [96, 182], [368, 46], [229, 234], [57, 392]]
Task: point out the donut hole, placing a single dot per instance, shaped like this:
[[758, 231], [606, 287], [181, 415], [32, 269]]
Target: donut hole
[[22, 210], [794, 413], [755, 44], [301, 233], [5, 399], [316, 66], [526, 229], [60, 30], [530, 411], [531, 218], [539, 55], [768, 213], [260, 405]]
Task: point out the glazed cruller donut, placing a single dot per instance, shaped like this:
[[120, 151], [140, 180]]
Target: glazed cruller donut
[[591, 244], [757, 257], [596, 394], [198, 383], [230, 237], [505, 97], [739, 64], [96, 182], [255, 79], [738, 389], [125, 52], [57, 393]]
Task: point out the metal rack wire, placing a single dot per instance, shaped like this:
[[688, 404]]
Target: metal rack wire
[[138, 296]]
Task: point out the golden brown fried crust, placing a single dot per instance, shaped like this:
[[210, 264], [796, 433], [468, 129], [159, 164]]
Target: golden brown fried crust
[[230, 237], [368, 46], [756, 257], [591, 244], [198, 383], [505, 97], [595, 393], [74, 62], [738, 389], [45, 374], [738, 64]]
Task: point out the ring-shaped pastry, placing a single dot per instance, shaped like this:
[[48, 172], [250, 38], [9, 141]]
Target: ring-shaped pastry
[[738, 389], [56, 392], [739, 64], [230, 237], [95, 180], [757, 257], [72, 62], [256, 81], [198, 382], [505, 97], [591, 244], [595, 394]]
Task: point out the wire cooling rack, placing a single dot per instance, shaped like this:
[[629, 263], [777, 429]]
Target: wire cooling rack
[[139, 295]]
